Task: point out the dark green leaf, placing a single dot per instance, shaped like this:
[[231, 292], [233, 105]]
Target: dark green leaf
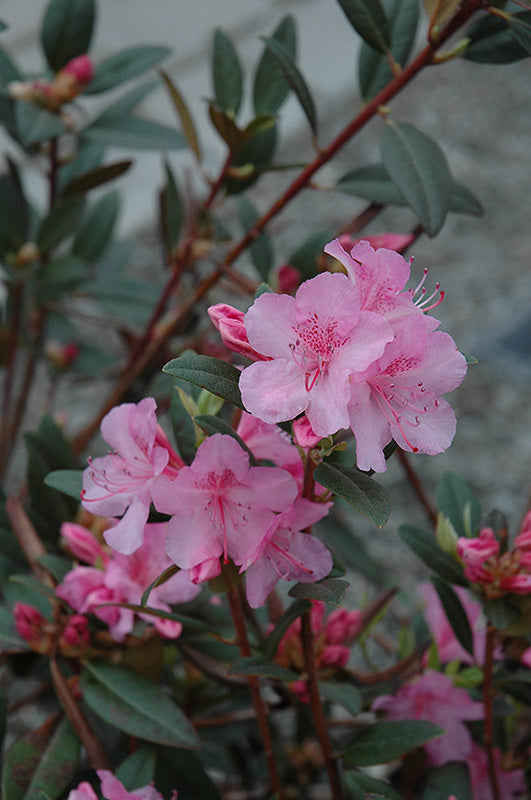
[[304, 258], [88, 157], [14, 220], [363, 493], [190, 623], [35, 125], [138, 769], [458, 503], [455, 614], [172, 210], [256, 153], [183, 769], [62, 221], [227, 74], [62, 270], [183, 428], [417, 165], [369, 19], [261, 249], [183, 113], [3, 717], [210, 425], [67, 30], [210, 373], [231, 134], [329, 590], [363, 787], [134, 132], [57, 566], [270, 86], [9, 637], [383, 742], [133, 704], [340, 535], [500, 613], [43, 761], [97, 228], [160, 579], [96, 177], [374, 72], [294, 79], [129, 300], [426, 548], [293, 612], [521, 28], [124, 65], [493, 41], [343, 694], [126, 103], [462, 201], [67, 481], [256, 665], [8, 69], [450, 779]]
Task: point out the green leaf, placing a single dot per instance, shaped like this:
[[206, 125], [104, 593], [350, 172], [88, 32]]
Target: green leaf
[[183, 427], [500, 613], [35, 125], [383, 742], [261, 249], [134, 132], [363, 493], [293, 612], [172, 210], [450, 779], [183, 769], [138, 769], [340, 535], [231, 134], [363, 787], [62, 270], [67, 30], [521, 28], [417, 165], [133, 704], [87, 158], [374, 72], [57, 566], [343, 694], [190, 623], [493, 41], [459, 504], [126, 103], [43, 761], [127, 299], [14, 220], [255, 154], [369, 19], [293, 78], [426, 548], [62, 221], [97, 228], [183, 114], [3, 717], [257, 665], [96, 177], [210, 373], [124, 65], [455, 614], [270, 86], [210, 425], [462, 201], [328, 590], [304, 258], [227, 74]]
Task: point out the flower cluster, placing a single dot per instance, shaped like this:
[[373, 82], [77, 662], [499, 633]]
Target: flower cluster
[[222, 507], [113, 789], [495, 572], [66, 85], [351, 350]]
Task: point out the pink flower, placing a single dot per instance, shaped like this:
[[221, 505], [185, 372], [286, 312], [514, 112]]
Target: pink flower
[[448, 648], [315, 341], [476, 552], [303, 433], [496, 574], [83, 792], [82, 543], [271, 443], [523, 540], [389, 241], [123, 481], [222, 506], [229, 322], [81, 68], [433, 697], [288, 554], [511, 784], [113, 789], [399, 395]]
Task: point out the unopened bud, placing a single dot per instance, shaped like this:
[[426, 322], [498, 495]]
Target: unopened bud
[[61, 355], [81, 68], [289, 278], [27, 253], [76, 635], [446, 535], [82, 543]]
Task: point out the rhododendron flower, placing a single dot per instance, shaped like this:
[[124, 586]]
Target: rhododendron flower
[[123, 579], [229, 322], [124, 480], [497, 574], [399, 395], [270, 443], [315, 341], [288, 554], [433, 697], [511, 784], [222, 505], [113, 789], [448, 647], [388, 241]]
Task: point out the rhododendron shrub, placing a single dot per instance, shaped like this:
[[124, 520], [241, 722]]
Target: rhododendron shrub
[[192, 604]]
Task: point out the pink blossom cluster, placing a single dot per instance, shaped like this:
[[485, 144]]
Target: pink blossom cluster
[[351, 349], [333, 636], [222, 508], [113, 577], [66, 85], [495, 572], [113, 789], [71, 636]]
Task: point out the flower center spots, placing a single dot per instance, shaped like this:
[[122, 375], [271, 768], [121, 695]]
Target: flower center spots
[[216, 481], [314, 346], [226, 515]]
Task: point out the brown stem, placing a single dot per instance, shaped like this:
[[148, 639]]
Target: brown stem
[[488, 697], [417, 486], [93, 747], [312, 687], [254, 686], [5, 428], [28, 539]]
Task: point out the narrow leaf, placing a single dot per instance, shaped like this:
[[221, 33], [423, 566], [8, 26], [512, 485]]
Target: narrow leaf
[[293, 612], [97, 228], [450, 779], [270, 86], [210, 373], [67, 30], [133, 704], [183, 113], [124, 65], [256, 665], [383, 742], [458, 503], [343, 694], [227, 74], [261, 249], [294, 78], [138, 769], [369, 19], [329, 590], [521, 28], [61, 222], [426, 548], [363, 493], [172, 209], [159, 580], [134, 132], [417, 165], [96, 177], [233, 136], [492, 40], [455, 614], [363, 787]]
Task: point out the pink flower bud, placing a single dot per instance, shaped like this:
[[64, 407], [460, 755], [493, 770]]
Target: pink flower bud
[[342, 626], [82, 544], [303, 433], [28, 621], [289, 278], [475, 552], [76, 633], [209, 568], [334, 655], [61, 355], [81, 68], [229, 322]]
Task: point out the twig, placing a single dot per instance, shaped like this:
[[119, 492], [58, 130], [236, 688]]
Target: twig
[[28, 539]]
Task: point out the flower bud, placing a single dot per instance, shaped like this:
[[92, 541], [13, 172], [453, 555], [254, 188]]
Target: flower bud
[[81, 68], [28, 621], [82, 543], [76, 635], [288, 278], [446, 535]]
